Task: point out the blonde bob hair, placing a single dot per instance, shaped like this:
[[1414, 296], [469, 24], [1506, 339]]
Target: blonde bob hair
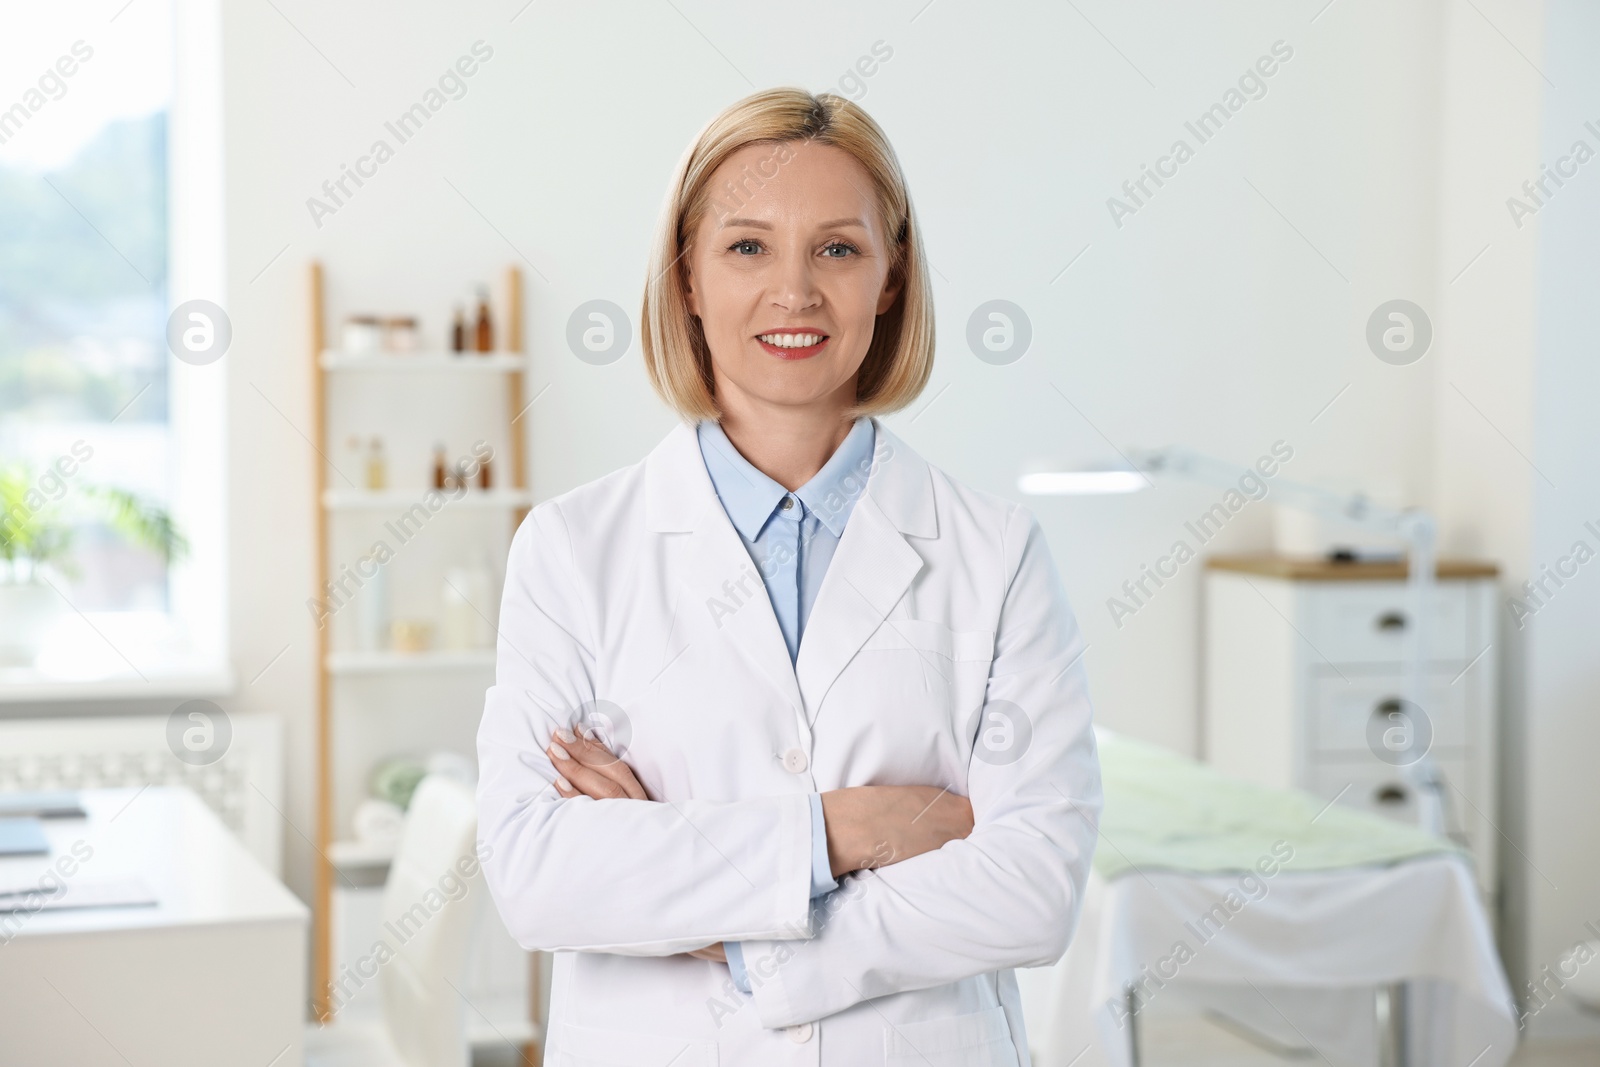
[[900, 357]]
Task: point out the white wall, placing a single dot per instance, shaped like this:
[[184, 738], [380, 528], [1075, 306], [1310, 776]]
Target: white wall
[[1226, 313], [1563, 649], [1205, 318], [1483, 373]]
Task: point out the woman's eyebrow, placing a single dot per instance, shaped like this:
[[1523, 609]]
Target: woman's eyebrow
[[757, 224]]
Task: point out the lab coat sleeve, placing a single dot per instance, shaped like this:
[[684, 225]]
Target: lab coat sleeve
[[1009, 894], [822, 883], [632, 877]]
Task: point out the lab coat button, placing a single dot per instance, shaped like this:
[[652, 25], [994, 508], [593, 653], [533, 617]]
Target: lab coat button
[[795, 761], [800, 1034]]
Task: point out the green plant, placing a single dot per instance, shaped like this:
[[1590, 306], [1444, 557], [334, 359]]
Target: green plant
[[38, 515]]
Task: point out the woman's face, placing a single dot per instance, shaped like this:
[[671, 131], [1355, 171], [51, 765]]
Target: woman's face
[[787, 272]]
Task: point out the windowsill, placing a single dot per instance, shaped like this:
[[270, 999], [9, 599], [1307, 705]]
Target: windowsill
[[28, 685], [116, 656]]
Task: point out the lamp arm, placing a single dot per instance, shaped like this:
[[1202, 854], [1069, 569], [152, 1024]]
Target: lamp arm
[[1415, 525]]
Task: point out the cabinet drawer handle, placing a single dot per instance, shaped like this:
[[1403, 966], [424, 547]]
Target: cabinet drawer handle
[[1388, 795], [1391, 620]]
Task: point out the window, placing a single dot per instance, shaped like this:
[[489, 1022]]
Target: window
[[92, 431]]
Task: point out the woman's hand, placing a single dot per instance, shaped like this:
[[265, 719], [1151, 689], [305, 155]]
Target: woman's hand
[[587, 768], [714, 953], [876, 825]]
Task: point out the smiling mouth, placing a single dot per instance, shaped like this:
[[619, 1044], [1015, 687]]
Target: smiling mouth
[[793, 345]]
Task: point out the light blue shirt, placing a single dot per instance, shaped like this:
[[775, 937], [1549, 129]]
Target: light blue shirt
[[791, 538]]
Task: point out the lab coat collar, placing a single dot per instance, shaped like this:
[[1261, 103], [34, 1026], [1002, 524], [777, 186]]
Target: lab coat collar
[[679, 496], [870, 571], [719, 589]]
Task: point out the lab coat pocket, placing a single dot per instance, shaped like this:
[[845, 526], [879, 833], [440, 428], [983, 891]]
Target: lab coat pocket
[[586, 1046], [982, 1039], [932, 638], [920, 666]]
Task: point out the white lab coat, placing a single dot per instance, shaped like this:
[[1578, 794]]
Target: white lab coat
[[636, 592]]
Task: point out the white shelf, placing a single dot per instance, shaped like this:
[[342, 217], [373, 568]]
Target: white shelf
[[404, 662], [402, 499], [496, 1025], [360, 854], [454, 362]]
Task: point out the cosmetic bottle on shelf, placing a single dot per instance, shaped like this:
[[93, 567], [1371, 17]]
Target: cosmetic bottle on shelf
[[441, 468], [484, 329], [465, 598], [372, 612], [377, 465], [458, 331], [400, 333]]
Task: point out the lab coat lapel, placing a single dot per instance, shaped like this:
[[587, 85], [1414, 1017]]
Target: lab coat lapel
[[719, 586], [871, 569]]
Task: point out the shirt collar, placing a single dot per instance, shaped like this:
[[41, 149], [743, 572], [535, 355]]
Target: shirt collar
[[747, 495], [750, 497], [832, 492]]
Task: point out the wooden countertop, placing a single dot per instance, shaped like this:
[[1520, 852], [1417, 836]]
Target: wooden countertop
[[1321, 569]]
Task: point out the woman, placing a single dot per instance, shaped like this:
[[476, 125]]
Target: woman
[[841, 777]]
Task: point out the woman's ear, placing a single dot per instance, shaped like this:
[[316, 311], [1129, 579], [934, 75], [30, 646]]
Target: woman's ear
[[891, 292], [690, 297]]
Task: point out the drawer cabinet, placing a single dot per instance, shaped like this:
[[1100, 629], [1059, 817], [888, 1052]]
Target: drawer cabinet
[[1352, 711], [1377, 787], [1305, 687], [1370, 622]]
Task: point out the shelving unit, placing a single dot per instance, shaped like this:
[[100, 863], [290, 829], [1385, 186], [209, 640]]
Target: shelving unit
[[385, 499], [409, 662], [410, 362], [412, 393]]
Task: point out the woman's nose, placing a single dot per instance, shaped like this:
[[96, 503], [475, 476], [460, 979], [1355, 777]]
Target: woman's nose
[[795, 287]]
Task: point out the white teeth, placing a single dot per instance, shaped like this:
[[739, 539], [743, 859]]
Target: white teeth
[[791, 340]]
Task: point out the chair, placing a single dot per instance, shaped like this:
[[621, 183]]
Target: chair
[[423, 1022]]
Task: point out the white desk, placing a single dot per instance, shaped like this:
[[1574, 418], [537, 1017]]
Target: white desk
[[214, 973]]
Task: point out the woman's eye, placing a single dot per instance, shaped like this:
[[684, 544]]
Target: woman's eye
[[745, 248], [839, 250]]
